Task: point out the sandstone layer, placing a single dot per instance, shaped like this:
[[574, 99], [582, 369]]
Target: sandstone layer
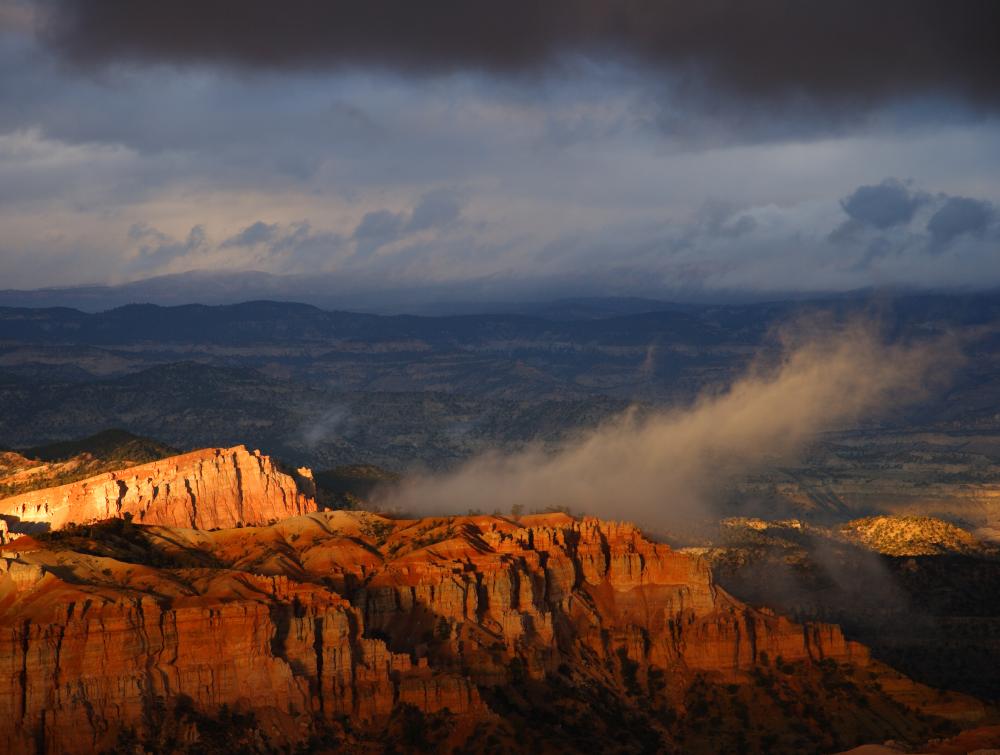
[[216, 487], [346, 629]]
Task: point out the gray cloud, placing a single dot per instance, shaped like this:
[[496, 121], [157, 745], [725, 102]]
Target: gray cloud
[[435, 209], [718, 218], [714, 222], [296, 246], [852, 51], [157, 249], [892, 219], [256, 233], [884, 205], [377, 229], [565, 180], [959, 216]]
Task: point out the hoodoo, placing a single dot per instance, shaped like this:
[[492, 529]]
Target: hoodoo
[[123, 632]]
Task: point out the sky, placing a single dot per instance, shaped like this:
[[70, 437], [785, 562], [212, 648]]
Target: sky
[[606, 147]]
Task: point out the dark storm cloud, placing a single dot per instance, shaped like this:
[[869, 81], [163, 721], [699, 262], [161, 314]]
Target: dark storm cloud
[[892, 217], [849, 51], [885, 205], [959, 216]]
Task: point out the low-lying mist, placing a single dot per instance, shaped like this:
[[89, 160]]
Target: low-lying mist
[[666, 469]]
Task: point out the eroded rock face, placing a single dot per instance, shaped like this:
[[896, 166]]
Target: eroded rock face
[[348, 616], [586, 579], [217, 487]]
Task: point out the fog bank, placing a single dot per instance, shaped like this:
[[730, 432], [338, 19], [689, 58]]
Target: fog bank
[[666, 469]]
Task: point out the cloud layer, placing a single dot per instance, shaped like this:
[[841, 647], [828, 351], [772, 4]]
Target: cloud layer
[[665, 149], [846, 50]]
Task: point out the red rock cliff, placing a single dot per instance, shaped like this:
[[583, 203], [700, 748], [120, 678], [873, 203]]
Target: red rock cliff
[[217, 487], [342, 614]]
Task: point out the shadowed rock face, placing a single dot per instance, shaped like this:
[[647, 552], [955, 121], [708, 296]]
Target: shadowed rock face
[[217, 487], [923, 594], [484, 633]]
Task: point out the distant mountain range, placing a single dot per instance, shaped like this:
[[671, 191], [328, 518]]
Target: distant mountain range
[[329, 292], [561, 299]]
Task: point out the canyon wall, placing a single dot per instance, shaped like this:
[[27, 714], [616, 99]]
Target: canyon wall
[[216, 487], [344, 614]]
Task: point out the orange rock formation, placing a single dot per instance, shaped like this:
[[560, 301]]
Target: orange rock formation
[[348, 614], [217, 487]]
